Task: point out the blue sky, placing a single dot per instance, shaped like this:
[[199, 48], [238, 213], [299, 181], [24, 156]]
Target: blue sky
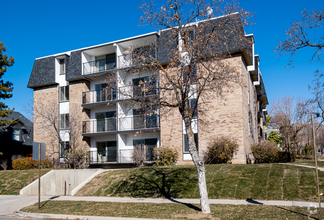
[[32, 29]]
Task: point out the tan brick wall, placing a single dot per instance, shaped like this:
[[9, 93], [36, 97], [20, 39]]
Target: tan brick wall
[[218, 116], [77, 113], [46, 101]]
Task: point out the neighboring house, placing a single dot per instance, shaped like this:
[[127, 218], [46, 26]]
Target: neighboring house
[[16, 139], [76, 81], [272, 127]]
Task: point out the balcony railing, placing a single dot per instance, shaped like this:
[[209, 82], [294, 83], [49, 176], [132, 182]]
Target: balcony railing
[[138, 122], [99, 126], [121, 156], [138, 57], [133, 91], [98, 66], [97, 96]]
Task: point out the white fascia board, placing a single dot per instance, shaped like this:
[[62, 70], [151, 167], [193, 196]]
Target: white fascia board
[[197, 22], [99, 45]]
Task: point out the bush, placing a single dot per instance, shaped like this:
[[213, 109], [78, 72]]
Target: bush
[[265, 152], [165, 156], [76, 158], [139, 155], [221, 150], [268, 152], [28, 163]]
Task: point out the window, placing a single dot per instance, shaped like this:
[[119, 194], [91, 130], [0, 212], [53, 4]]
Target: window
[[193, 107], [106, 121], [64, 147], [105, 62], [64, 93], [144, 86], [145, 118], [185, 142], [147, 145], [16, 134], [106, 92], [62, 66], [64, 121]]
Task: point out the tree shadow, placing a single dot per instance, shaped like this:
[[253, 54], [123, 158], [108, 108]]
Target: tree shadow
[[158, 183], [298, 213]]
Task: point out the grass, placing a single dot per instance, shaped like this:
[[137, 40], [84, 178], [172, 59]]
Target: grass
[[172, 211], [224, 181], [12, 181]]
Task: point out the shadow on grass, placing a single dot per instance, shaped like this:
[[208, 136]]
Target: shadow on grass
[[298, 213], [157, 182], [50, 199], [186, 204]]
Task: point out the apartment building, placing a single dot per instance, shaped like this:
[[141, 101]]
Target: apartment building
[[93, 88]]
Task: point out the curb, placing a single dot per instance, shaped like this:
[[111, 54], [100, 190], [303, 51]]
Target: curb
[[79, 217]]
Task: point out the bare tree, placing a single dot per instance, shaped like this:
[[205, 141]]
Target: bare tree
[[194, 65], [56, 128], [301, 35], [291, 114]]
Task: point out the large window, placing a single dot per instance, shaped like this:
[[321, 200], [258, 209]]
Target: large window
[[64, 93], [106, 121], [107, 151], [16, 134], [145, 118], [106, 92], [144, 86], [64, 121], [185, 142], [146, 145], [105, 62], [62, 66], [64, 148]]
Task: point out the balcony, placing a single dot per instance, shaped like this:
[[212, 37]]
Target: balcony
[[98, 66], [99, 126], [120, 156], [149, 122], [99, 96], [139, 122], [138, 57], [136, 91]]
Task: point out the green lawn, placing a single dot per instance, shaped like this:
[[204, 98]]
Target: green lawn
[[172, 211], [12, 181], [224, 181]]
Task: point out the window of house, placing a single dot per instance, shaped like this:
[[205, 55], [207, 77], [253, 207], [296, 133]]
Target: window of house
[[16, 134], [145, 118], [64, 121], [186, 144], [62, 66], [64, 148], [64, 93]]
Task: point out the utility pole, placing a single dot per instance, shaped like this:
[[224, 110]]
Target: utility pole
[[318, 191]]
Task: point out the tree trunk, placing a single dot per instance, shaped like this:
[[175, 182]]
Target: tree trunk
[[204, 203]]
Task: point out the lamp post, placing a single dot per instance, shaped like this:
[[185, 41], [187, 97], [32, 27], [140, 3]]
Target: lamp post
[[315, 157]]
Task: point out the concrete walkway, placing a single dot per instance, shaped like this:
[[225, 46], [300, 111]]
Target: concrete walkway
[[10, 205], [300, 165]]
